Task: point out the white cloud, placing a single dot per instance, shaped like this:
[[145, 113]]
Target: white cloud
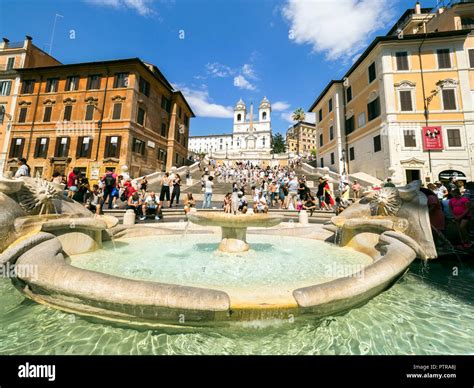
[[280, 106], [141, 6], [219, 70], [242, 83], [248, 70], [201, 104], [286, 116], [337, 28]]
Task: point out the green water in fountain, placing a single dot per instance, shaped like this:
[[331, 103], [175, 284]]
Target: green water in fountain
[[429, 311], [270, 271]]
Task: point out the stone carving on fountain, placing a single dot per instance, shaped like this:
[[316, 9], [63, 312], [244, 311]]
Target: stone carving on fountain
[[36, 196], [402, 210]]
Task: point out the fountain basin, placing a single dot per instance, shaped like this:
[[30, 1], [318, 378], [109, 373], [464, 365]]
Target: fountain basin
[[146, 300]]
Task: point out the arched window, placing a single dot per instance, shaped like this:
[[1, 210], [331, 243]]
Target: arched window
[[239, 117], [264, 115]]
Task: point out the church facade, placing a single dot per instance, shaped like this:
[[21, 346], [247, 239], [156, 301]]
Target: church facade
[[248, 135]]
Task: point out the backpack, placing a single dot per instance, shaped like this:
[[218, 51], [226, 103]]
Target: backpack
[[109, 180]]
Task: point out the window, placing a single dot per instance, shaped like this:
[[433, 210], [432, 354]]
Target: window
[[41, 148], [467, 23], [444, 59], [320, 115], [373, 109], [402, 61], [331, 133], [330, 105], [47, 114], [16, 148], [372, 72], [349, 94], [405, 101], [72, 83], [361, 120], [161, 155], [28, 86], [321, 161], [5, 88], [163, 130], [321, 140], [377, 143], [409, 138], [351, 153], [67, 113], [350, 125], [449, 99], [62, 147], [112, 146], [264, 115], [166, 104], [121, 80], [93, 82], [22, 116], [471, 58], [52, 85], [84, 147], [332, 158], [89, 112], [141, 116], [10, 63], [144, 87], [138, 146], [239, 117], [454, 137], [117, 112], [2, 113]]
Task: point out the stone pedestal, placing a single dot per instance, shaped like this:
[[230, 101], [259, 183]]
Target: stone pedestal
[[129, 218], [234, 240], [303, 217]]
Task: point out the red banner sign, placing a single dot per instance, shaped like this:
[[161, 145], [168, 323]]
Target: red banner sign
[[432, 138]]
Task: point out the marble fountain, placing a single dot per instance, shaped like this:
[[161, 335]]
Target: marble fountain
[[151, 276]]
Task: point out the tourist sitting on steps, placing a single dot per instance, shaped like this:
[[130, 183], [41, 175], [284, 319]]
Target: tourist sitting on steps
[[243, 203], [227, 203], [152, 207], [310, 203], [189, 203], [260, 204], [135, 203]]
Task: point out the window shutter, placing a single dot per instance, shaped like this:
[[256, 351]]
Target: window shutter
[[22, 146], [107, 147], [67, 146], [37, 147], [444, 60], [119, 140], [89, 151], [46, 148], [449, 100], [405, 100], [80, 141], [471, 58], [56, 148]]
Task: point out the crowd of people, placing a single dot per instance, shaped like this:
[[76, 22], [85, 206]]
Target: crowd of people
[[450, 206]]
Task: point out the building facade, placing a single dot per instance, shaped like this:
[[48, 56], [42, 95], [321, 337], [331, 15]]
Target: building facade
[[98, 115], [405, 86], [301, 138], [247, 135], [13, 56]]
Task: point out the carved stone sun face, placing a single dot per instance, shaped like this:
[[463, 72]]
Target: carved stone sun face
[[386, 202], [36, 196]]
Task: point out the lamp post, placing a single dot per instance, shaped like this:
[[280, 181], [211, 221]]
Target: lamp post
[[226, 147]]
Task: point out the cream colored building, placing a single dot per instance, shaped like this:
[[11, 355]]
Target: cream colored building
[[420, 74], [301, 138]]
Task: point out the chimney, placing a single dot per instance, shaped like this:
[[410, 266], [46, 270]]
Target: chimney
[[28, 37], [418, 8]]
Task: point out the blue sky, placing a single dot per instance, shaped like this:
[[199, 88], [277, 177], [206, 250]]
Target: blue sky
[[215, 51]]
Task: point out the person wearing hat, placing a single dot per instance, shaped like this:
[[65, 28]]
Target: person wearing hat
[[441, 191]]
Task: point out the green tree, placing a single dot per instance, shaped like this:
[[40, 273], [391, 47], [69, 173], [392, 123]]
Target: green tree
[[314, 152], [298, 115], [278, 144]]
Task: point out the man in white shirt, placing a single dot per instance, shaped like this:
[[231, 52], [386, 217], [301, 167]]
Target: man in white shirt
[[152, 206]]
